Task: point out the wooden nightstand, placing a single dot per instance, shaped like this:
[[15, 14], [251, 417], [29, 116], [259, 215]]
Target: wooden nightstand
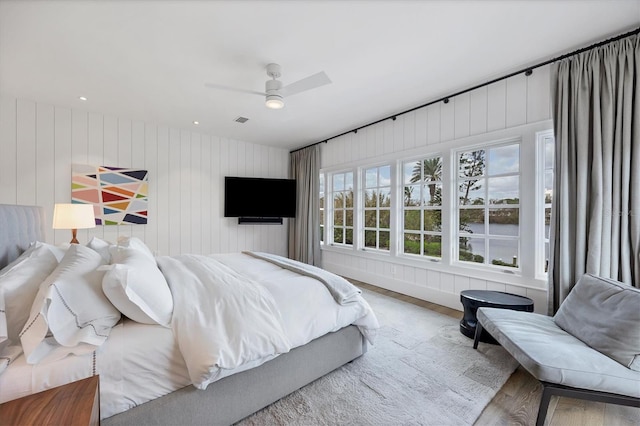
[[76, 403]]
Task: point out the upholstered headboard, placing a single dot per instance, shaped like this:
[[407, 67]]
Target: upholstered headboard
[[19, 226]]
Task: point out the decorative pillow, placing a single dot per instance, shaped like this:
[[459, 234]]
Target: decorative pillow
[[135, 286], [19, 283], [101, 247], [604, 314], [136, 243], [70, 309]]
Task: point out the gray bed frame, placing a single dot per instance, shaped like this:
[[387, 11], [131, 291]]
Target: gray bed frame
[[223, 402]]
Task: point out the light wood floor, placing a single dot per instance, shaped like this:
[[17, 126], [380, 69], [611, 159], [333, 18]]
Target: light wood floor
[[517, 402]]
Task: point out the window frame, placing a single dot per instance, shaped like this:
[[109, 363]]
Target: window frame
[[392, 261], [330, 218], [486, 207], [541, 205], [421, 207], [363, 209]]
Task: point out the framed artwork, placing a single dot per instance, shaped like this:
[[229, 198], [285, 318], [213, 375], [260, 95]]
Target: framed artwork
[[119, 195]]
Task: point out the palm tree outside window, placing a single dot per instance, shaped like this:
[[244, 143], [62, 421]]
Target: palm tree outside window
[[422, 207]]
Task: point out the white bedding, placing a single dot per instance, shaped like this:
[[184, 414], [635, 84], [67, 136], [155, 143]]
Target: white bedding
[[141, 362], [241, 317], [307, 307], [136, 364], [234, 322]]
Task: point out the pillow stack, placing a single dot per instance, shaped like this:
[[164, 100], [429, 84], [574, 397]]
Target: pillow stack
[[55, 302], [19, 284], [70, 313]]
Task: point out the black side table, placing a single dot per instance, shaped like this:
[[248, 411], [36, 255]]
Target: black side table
[[474, 299]]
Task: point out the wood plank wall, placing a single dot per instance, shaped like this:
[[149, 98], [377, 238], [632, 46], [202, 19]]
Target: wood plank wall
[[40, 142], [496, 108]]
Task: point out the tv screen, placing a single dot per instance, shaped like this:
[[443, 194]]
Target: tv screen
[[259, 197]]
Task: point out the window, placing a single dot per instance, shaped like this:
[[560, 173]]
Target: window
[[377, 207], [488, 182], [321, 208], [342, 196], [546, 147], [422, 207], [484, 205]]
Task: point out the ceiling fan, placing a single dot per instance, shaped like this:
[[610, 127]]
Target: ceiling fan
[[274, 91]]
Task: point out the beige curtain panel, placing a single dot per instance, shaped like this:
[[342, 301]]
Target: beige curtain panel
[[596, 209], [304, 230]]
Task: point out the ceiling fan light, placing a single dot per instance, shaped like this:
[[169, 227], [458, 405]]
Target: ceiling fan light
[[274, 102]]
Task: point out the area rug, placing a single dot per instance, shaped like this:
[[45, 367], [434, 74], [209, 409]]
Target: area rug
[[421, 371]]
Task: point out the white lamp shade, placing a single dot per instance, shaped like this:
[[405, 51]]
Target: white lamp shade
[[73, 216]]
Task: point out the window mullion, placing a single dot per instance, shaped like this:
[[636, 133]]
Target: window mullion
[[528, 211], [329, 210], [485, 179], [450, 201], [397, 199], [357, 208]]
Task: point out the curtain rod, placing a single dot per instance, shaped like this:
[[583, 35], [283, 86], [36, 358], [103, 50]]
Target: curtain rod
[[527, 71]]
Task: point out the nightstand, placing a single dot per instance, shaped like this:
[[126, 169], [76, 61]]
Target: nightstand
[[76, 403]]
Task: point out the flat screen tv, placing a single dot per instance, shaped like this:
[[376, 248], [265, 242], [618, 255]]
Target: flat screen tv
[[247, 197]]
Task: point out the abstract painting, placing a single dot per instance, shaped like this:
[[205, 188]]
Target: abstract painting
[[119, 195]]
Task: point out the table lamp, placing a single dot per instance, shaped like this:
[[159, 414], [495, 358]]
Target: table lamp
[[74, 217]]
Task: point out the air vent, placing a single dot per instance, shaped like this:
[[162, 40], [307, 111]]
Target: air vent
[[241, 120]]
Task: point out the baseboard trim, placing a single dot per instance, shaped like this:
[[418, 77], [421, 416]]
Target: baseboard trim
[[432, 295]]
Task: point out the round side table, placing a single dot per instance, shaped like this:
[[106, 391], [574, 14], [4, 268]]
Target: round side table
[[474, 299]]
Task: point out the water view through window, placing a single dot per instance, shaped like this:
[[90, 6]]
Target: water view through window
[[489, 205]]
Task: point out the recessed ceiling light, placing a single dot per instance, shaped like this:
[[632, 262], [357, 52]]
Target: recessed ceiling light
[[196, 122], [82, 98]]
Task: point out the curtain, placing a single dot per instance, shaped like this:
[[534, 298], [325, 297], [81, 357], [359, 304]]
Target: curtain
[[304, 230], [596, 207]]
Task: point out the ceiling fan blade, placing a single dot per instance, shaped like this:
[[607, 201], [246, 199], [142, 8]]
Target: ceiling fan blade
[[234, 89], [308, 83]]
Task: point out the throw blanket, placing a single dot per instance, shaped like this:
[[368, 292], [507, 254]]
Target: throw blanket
[[220, 318], [342, 290]]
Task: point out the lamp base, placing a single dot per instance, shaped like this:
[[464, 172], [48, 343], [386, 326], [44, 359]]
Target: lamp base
[[74, 240]]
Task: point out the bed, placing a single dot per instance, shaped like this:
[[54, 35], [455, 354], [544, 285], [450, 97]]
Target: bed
[[146, 376]]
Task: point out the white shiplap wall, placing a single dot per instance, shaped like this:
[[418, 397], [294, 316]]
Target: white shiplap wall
[[40, 142], [489, 110]]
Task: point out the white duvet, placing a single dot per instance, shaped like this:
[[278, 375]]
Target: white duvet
[[221, 319], [248, 311]]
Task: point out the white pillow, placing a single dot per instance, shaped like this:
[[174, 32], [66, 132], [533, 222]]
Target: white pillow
[[102, 247], [58, 251], [19, 283], [8, 355], [135, 286], [135, 243], [70, 313]]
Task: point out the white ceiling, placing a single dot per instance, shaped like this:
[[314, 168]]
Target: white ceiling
[[149, 60]]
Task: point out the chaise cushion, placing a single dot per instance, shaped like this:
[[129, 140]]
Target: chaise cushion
[[604, 314], [552, 355]]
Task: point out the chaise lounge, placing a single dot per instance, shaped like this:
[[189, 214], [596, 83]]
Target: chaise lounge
[[589, 350]]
